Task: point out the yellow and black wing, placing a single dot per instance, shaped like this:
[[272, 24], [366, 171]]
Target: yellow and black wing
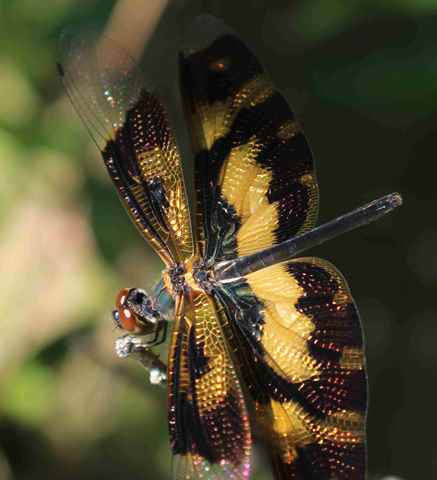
[[308, 380], [254, 172], [295, 326], [208, 420], [130, 127]]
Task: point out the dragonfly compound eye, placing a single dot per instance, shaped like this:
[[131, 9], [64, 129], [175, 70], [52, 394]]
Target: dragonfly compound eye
[[134, 311], [142, 306], [138, 297], [123, 316]]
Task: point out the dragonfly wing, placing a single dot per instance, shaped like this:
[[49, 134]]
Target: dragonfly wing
[[130, 127], [208, 420], [255, 178], [308, 380]]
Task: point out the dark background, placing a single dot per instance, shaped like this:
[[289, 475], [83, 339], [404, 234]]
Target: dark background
[[362, 77]]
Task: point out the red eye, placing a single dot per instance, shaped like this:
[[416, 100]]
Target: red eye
[[121, 298], [126, 317]]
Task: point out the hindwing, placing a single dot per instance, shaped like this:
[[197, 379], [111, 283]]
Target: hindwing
[[308, 381]]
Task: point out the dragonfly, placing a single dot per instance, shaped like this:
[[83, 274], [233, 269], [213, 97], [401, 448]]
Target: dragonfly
[[263, 343]]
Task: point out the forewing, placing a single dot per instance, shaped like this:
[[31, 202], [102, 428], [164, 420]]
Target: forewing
[[309, 379], [208, 420], [130, 127], [255, 178]]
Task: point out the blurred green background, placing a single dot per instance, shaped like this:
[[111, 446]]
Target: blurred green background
[[362, 76]]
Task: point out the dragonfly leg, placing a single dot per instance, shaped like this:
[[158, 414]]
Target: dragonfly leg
[[133, 346], [162, 330]]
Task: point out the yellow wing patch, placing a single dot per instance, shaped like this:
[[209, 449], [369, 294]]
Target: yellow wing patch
[[285, 331], [165, 164], [238, 174], [296, 428], [217, 117], [275, 284], [258, 232], [214, 385], [288, 345]]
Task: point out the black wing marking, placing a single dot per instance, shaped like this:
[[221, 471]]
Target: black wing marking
[[208, 420], [130, 127], [255, 177], [308, 380]]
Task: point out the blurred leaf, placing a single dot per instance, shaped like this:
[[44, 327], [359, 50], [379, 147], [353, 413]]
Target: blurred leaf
[[417, 7], [316, 19], [49, 13], [106, 212], [25, 448], [54, 353], [33, 382], [319, 19], [62, 130], [21, 101], [395, 86], [10, 154]]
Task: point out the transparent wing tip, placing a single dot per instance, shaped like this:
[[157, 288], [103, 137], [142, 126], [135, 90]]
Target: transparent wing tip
[[201, 32]]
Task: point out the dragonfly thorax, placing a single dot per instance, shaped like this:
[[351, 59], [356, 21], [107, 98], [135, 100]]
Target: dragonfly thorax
[[192, 275]]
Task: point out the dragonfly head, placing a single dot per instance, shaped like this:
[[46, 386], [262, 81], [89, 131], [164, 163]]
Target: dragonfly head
[[134, 311]]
